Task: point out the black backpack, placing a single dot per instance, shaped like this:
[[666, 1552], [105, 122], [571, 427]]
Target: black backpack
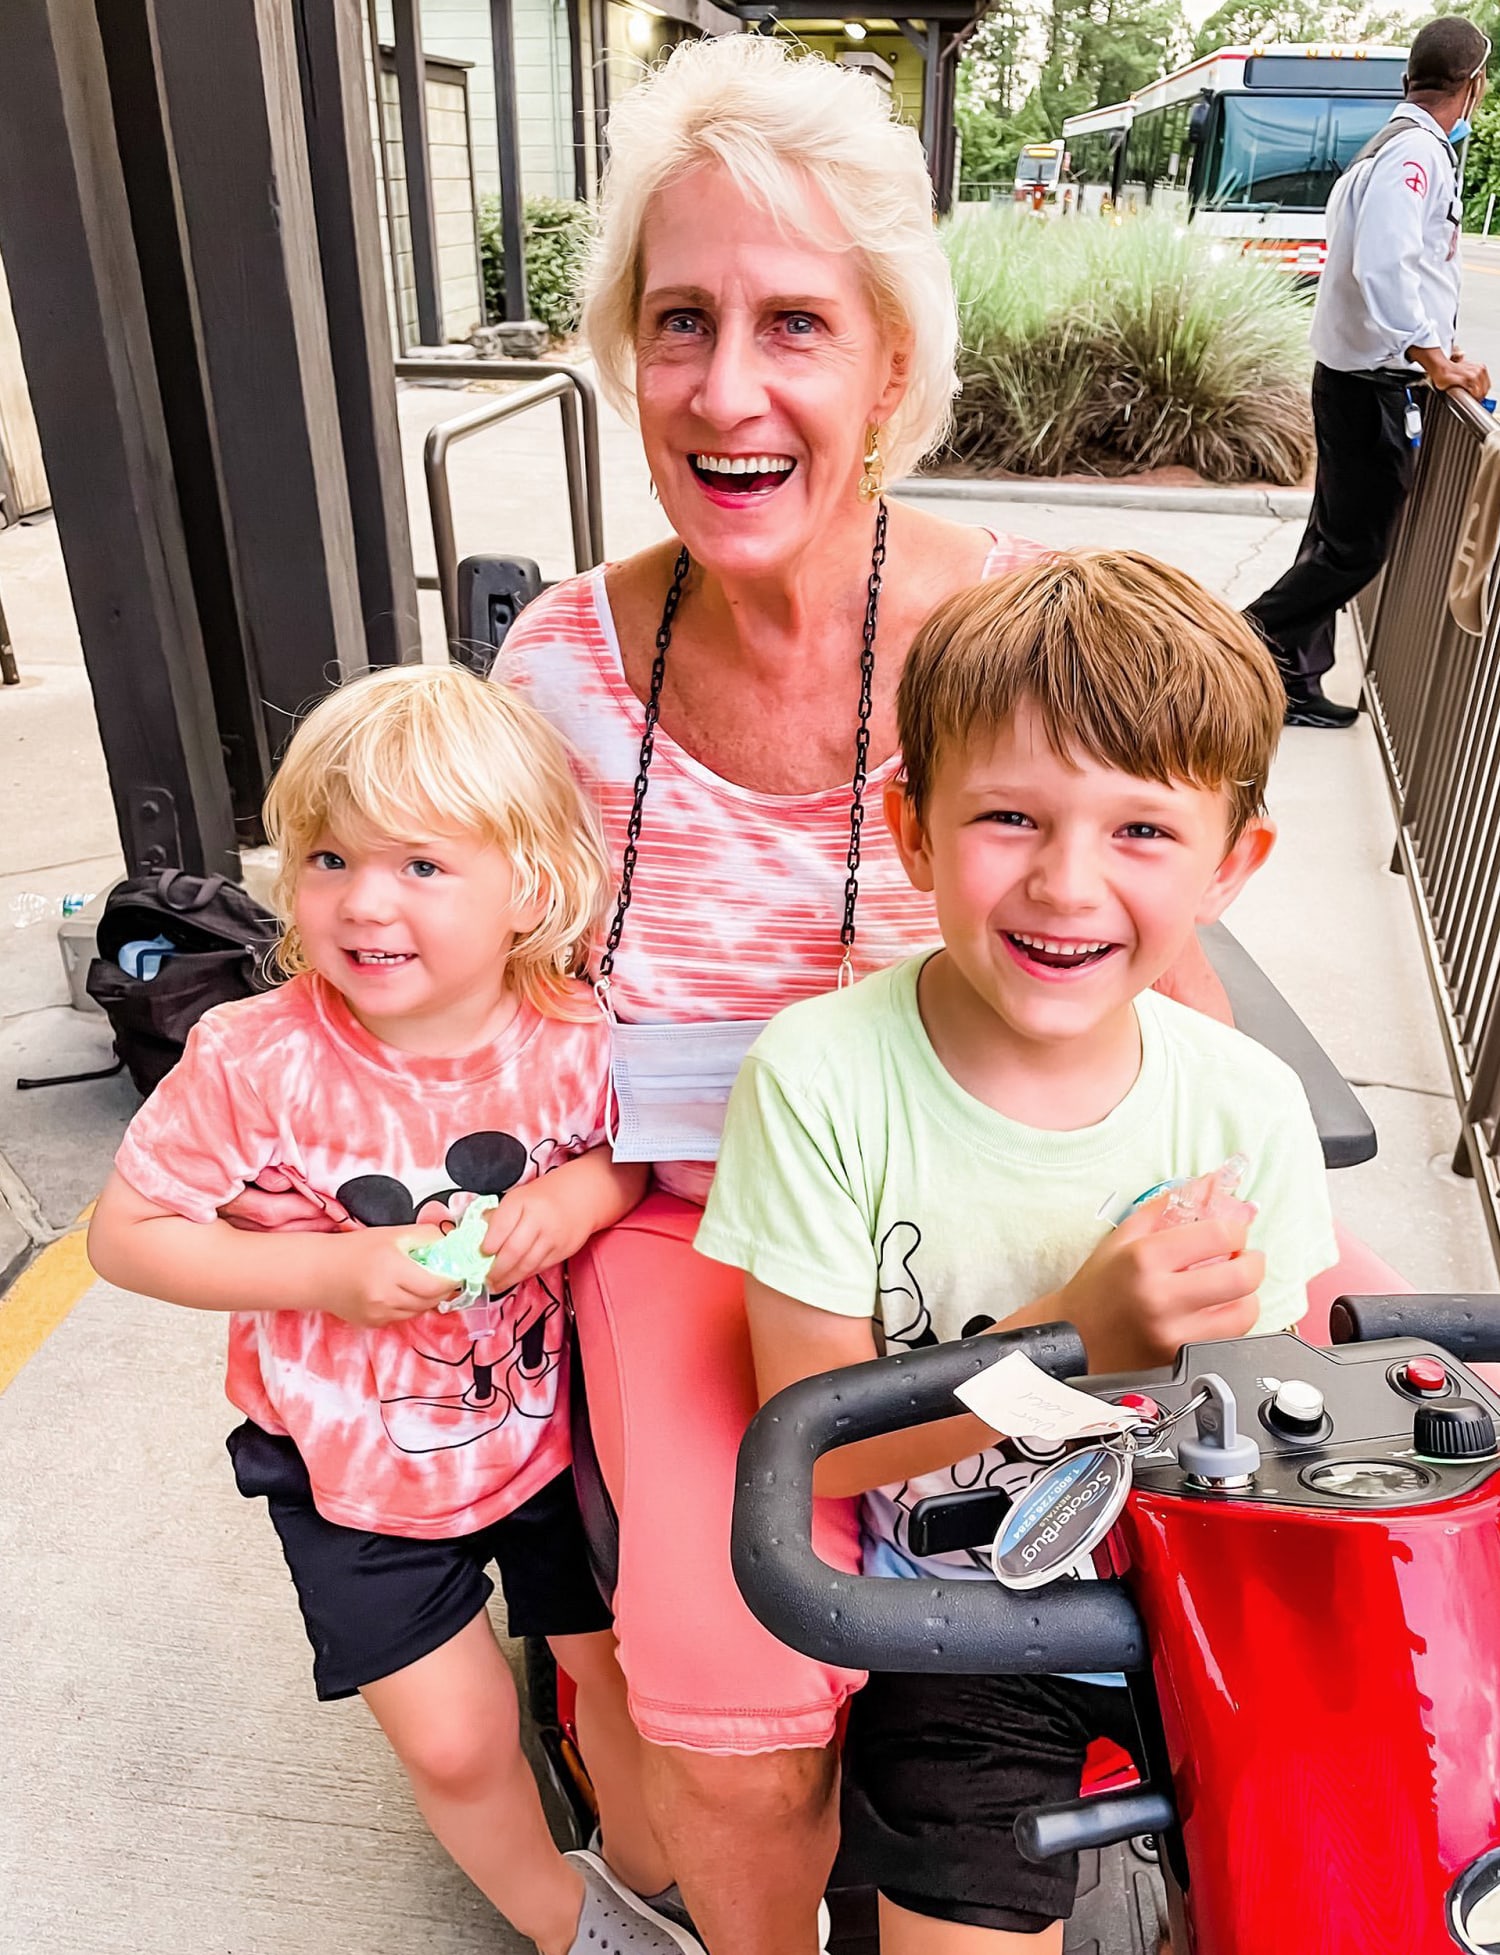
[[224, 940]]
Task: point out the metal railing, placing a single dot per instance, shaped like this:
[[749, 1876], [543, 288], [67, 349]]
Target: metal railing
[[574, 393], [1434, 696]]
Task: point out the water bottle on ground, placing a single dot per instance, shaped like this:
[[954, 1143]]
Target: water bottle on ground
[[30, 907]]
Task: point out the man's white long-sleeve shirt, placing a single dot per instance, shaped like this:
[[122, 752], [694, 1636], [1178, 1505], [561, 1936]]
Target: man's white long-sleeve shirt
[[1392, 275]]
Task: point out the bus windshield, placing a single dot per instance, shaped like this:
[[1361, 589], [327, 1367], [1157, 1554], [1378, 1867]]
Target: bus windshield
[[1285, 152], [1038, 169]]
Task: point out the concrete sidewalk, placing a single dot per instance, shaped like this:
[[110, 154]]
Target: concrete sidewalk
[[171, 1785]]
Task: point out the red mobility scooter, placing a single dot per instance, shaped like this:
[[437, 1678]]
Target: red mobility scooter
[[1303, 1589]]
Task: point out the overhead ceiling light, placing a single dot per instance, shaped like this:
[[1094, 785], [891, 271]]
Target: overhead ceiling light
[[855, 29], [639, 30]]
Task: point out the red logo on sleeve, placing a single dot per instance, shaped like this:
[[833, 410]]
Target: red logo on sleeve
[[1414, 177]]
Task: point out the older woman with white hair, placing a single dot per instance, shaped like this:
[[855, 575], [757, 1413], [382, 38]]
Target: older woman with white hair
[[770, 300]]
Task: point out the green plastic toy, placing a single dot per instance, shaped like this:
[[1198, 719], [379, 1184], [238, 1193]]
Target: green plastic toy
[[459, 1255]]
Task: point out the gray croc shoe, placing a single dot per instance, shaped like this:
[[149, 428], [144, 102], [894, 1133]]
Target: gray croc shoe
[[670, 1903], [616, 1921]]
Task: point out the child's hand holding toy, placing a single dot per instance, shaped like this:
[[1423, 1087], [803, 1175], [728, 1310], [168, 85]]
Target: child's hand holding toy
[[1175, 1271], [535, 1226], [379, 1278]]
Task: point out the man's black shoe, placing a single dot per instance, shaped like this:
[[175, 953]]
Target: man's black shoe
[[1312, 709]]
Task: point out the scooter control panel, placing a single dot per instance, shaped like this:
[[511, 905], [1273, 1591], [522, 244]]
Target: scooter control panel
[[1380, 1425]]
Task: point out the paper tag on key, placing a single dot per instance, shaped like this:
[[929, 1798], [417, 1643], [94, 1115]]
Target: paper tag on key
[[1019, 1399]]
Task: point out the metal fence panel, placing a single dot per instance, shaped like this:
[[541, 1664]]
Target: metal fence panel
[[1434, 697]]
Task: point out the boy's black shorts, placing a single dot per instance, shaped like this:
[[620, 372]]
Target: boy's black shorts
[[373, 1603], [936, 1769]]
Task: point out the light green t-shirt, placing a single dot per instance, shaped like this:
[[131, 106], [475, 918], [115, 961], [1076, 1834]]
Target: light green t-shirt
[[857, 1175]]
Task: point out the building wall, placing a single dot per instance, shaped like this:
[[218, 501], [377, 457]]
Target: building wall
[[460, 29], [898, 54], [452, 206]]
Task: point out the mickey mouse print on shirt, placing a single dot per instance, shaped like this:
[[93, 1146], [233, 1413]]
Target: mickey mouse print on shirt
[[508, 1358], [439, 1425], [1008, 1466]]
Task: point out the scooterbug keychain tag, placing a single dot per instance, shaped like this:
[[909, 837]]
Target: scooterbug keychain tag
[[1063, 1515]]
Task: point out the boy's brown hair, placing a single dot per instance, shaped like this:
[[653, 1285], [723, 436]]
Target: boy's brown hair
[[1122, 658]]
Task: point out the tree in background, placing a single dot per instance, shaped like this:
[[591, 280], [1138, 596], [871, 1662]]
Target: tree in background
[[1025, 69], [1238, 23], [1482, 156]]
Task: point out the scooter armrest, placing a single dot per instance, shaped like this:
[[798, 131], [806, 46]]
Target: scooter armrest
[[1466, 1326], [965, 1627]]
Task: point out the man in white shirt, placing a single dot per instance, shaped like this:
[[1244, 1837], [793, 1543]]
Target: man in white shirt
[[1386, 315]]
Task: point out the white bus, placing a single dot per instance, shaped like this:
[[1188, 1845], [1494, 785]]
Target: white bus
[[1249, 142], [1038, 168], [1093, 144]]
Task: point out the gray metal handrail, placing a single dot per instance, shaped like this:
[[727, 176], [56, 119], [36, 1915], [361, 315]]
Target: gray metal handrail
[[1434, 697], [579, 407]]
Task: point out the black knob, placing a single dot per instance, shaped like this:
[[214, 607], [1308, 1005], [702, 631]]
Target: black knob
[[1457, 1429]]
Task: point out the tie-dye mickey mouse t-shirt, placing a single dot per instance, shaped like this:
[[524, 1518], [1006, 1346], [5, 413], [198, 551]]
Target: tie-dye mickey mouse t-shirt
[[438, 1426]]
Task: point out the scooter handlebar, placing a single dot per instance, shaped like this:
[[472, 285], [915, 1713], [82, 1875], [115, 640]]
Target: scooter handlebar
[[1467, 1327], [965, 1627]]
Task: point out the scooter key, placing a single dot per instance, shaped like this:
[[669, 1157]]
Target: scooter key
[[1157, 1432]]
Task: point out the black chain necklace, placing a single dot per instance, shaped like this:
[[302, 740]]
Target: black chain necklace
[[648, 744]]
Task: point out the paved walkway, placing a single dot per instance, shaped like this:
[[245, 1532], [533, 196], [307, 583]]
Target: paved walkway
[[170, 1784]]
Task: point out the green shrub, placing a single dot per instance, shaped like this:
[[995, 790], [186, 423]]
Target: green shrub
[[1103, 348], [556, 236]]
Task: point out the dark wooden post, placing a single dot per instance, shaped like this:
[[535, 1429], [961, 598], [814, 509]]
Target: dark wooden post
[[512, 222], [9, 673], [932, 76], [599, 49], [65, 235], [127, 37], [947, 123], [332, 49], [411, 86], [233, 109], [575, 96]]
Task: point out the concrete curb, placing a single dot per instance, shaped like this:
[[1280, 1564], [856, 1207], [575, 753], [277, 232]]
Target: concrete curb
[[1205, 501]]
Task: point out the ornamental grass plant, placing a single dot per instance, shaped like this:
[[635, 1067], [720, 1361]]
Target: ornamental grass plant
[[1105, 348]]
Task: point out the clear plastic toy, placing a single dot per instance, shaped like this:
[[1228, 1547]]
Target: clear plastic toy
[[1208, 1197], [1212, 1197], [460, 1256]]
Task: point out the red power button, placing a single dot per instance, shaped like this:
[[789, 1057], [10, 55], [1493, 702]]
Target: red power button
[[1424, 1376], [1137, 1402]]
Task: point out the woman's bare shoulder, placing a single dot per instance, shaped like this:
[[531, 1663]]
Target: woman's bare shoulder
[[636, 586], [948, 556]]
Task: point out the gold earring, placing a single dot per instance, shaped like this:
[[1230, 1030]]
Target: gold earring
[[873, 479]]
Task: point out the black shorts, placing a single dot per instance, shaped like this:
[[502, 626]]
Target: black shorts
[[373, 1603], [936, 1770]]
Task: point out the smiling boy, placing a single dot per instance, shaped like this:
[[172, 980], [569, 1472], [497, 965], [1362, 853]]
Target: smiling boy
[[951, 1143]]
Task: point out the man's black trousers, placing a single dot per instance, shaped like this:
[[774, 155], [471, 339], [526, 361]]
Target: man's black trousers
[[1365, 469]]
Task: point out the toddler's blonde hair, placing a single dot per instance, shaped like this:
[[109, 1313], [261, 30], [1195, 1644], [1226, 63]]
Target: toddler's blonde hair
[[414, 750]]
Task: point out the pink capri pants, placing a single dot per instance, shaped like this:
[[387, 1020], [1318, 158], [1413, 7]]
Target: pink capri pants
[[671, 1389]]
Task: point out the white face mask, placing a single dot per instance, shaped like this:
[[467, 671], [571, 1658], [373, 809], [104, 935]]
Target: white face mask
[[671, 1085]]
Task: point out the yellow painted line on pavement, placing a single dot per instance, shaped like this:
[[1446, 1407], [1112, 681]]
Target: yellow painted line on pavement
[[41, 1297]]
